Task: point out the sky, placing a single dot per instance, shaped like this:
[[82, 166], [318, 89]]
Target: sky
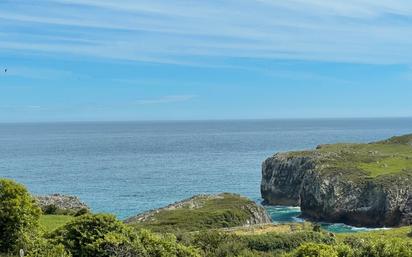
[[120, 60]]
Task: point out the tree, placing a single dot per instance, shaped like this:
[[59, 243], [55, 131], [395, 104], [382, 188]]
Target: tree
[[102, 235], [87, 235], [19, 214]]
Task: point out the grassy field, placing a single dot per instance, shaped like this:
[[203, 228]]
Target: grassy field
[[401, 233], [384, 158], [51, 222], [270, 228]]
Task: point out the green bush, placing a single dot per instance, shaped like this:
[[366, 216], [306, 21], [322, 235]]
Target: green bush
[[314, 250], [274, 242], [164, 246], [85, 236], [19, 214], [103, 235], [50, 209], [216, 243], [45, 248], [81, 212], [380, 247]]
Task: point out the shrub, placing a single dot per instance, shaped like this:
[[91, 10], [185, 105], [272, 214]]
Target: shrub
[[215, 243], [85, 236], [164, 246], [81, 212], [314, 250], [384, 248], [285, 242], [103, 235], [50, 209], [45, 248], [19, 214]]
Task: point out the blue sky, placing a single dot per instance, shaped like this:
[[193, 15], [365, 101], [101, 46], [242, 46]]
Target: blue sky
[[80, 60]]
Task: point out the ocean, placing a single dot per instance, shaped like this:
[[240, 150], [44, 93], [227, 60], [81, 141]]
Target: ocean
[[126, 168]]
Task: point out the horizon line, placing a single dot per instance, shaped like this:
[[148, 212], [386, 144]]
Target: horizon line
[[206, 120]]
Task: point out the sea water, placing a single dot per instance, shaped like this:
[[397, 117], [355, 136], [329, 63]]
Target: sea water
[[129, 167]]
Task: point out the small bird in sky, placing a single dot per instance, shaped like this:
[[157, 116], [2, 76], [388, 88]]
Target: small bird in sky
[[5, 70]]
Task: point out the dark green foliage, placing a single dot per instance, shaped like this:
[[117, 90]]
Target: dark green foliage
[[163, 246], [356, 247], [81, 212], [50, 209], [103, 235], [19, 214], [41, 247], [86, 235], [54, 210], [316, 228], [314, 250], [219, 244], [215, 243], [285, 242], [383, 247]]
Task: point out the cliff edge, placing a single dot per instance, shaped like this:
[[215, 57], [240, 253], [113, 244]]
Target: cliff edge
[[203, 212], [358, 184]]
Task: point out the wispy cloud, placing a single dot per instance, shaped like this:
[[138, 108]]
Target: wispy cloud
[[187, 32], [165, 99]]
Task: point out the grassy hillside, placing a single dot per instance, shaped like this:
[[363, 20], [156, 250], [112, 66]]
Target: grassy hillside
[[378, 159], [198, 213]]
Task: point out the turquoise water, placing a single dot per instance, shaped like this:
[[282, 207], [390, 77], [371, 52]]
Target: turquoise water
[[129, 167], [287, 214]]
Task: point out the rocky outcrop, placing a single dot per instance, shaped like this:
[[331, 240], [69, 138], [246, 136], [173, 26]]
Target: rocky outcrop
[[213, 204], [60, 204], [361, 185], [371, 203], [282, 179]]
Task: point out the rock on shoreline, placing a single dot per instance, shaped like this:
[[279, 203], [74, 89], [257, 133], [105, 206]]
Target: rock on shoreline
[[61, 204]]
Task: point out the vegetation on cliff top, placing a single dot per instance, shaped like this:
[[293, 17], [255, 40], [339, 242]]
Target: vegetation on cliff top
[[198, 213], [379, 159]]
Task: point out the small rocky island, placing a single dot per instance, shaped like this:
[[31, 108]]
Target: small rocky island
[[203, 212], [358, 184]]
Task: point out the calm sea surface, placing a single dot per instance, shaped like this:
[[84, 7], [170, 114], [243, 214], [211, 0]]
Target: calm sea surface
[[129, 167]]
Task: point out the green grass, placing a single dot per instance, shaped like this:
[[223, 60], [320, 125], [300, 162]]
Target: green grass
[[224, 212], [401, 233], [385, 158], [52, 222]]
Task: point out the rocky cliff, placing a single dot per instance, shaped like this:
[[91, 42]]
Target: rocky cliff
[[203, 212], [358, 184], [60, 204]]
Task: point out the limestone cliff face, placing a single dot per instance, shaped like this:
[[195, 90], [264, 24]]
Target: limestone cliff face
[[335, 185], [282, 179], [258, 215], [367, 203]]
